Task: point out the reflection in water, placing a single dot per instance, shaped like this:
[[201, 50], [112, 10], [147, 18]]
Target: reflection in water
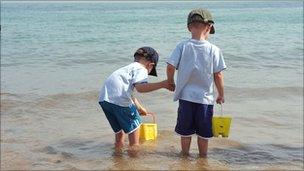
[[147, 156], [133, 151], [224, 154], [119, 162], [126, 158], [182, 164], [202, 163], [196, 163]]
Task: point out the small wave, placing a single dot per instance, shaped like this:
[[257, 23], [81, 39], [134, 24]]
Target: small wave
[[29, 103], [268, 122], [265, 93], [265, 154], [12, 64], [5, 94], [53, 151], [225, 143], [241, 58], [280, 66], [241, 157], [67, 155], [74, 143], [52, 101], [78, 148], [49, 150], [285, 147], [10, 101]]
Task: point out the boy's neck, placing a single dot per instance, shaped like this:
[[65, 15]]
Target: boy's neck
[[143, 63], [200, 37]]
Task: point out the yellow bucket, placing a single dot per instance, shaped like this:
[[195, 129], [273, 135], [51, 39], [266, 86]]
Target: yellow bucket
[[148, 131], [221, 125]]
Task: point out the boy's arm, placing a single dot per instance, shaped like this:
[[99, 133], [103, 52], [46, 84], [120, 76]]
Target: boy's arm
[[219, 83], [170, 75], [147, 87], [140, 108]]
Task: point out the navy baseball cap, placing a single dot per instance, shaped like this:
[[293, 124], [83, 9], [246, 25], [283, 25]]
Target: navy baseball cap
[[150, 54]]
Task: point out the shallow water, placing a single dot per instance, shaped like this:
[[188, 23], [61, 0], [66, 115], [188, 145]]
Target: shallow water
[[70, 131], [55, 56]]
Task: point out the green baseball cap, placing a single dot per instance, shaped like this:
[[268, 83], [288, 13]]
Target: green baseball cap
[[201, 15]]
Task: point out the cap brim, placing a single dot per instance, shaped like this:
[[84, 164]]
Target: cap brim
[[153, 72], [212, 31]]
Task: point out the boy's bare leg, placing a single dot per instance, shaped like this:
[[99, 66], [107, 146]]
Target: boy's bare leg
[[202, 146], [133, 143], [185, 143], [119, 141], [134, 138]]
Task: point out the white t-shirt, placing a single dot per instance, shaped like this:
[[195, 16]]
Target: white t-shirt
[[196, 62], [119, 86]]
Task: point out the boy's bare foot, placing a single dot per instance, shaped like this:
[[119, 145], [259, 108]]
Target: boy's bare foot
[[202, 155], [184, 154], [118, 152], [133, 151]]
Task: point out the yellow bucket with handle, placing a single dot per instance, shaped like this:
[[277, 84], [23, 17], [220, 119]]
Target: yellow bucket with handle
[[221, 125], [148, 131]]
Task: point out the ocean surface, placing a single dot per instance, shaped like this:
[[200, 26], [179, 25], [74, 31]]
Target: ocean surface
[[56, 55]]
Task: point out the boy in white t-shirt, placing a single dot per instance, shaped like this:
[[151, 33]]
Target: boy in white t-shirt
[[116, 98], [199, 64]]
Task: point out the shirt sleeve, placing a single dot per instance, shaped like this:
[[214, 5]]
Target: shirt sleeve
[[176, 56], [218, 61], [139, 76]]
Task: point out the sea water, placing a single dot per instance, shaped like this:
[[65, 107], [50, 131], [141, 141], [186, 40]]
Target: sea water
[[55, 57]]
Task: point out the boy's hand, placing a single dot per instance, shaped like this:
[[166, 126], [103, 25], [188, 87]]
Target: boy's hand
[[143, 111], [172, 85], [220, 99], [168, 85], [170, 76]]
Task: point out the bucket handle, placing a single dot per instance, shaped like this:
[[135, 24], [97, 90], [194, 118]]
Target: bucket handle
[[153, 116], [221, 106]]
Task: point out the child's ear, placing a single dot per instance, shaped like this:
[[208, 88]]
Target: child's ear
[[189, 29], [209, 27], [151, 64]]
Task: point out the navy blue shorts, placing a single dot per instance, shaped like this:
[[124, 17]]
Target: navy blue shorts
[[121, 118], [194, 118]]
